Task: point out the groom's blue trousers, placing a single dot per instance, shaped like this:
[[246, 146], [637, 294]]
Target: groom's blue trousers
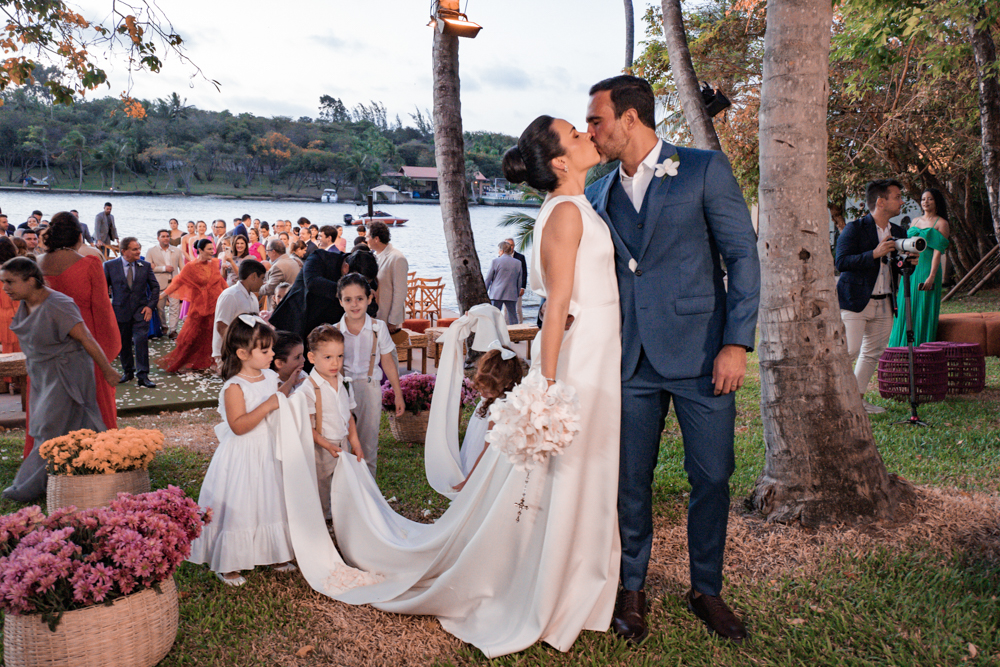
[[707, 423]]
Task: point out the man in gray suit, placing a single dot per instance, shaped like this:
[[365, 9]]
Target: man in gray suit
[[104, 228], [503, 283], [672, 213]]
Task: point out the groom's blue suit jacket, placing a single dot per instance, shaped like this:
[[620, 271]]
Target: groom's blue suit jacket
[[675, 304]]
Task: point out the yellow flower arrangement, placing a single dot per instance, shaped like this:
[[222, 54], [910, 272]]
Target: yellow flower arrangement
[[86, 452]]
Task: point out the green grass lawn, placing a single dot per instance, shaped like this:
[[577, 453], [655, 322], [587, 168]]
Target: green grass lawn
[[873, 604]]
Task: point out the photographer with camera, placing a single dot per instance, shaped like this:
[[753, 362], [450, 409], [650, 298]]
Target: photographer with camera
[[865, 286]]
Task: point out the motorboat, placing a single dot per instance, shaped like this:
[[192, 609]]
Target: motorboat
[[329, 196], [377, 216]]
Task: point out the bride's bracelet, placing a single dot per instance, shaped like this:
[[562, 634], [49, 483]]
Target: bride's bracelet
[[552, 380]]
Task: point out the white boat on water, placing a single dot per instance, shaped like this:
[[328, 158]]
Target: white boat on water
[[329, 196], [504, 197]]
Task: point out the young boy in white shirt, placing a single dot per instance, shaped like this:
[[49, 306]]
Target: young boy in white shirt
[[330, 399]]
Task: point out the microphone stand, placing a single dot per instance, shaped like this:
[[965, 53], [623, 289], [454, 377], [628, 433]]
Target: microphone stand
[[906, 269]]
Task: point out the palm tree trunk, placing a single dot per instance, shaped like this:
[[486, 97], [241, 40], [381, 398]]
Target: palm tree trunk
[[821, 462], [449, 153], [79, 185], [629, 33], [685, 79], [985, 51]]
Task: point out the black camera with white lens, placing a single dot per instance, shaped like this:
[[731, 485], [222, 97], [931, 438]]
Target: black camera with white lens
[[912, 244]]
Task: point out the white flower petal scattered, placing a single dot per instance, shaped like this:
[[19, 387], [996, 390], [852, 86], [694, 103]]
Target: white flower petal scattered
[[534, 421]]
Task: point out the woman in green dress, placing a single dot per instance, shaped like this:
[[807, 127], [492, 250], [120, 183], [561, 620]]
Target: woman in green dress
[[925, 283]]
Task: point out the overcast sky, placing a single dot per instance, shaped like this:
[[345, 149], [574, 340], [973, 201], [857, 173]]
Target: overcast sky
[[278, 58]]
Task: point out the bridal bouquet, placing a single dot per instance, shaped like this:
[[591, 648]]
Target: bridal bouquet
[[534, 421]]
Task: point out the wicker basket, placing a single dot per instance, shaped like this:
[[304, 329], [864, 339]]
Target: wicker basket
[[410, 427], [966, 366], [87, 491], [136, 631], [930, 374]]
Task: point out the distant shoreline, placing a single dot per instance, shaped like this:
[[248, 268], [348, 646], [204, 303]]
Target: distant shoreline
[[151, 193]]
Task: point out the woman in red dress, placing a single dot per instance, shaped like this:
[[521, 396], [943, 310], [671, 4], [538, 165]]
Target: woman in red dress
[[81, 278], [199, 283]]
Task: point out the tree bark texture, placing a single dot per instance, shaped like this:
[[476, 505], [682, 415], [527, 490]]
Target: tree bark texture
[[629, 33], [686, 81], [821, 462], [985, 51], [449, 152]]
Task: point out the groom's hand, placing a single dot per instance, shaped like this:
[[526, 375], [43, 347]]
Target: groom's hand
[[730, 369]]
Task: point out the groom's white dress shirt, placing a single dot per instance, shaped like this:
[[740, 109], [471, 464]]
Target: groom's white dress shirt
[[636, 186]]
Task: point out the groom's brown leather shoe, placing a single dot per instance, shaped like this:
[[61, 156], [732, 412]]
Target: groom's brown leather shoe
[[630, 616], [717, 615]]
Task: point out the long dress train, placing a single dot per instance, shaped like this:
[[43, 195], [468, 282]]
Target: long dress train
[[517, 557]]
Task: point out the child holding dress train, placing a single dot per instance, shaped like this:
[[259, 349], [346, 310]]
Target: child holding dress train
[[243, 485], [498, 372], [330, 398]]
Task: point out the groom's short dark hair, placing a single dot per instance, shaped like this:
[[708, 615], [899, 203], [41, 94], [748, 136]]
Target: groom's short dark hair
[[630, 92]]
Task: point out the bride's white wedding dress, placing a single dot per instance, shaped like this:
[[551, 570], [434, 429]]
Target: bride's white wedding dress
[[498, 573]]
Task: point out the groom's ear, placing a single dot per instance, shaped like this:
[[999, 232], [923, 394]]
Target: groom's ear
[[630, 118]]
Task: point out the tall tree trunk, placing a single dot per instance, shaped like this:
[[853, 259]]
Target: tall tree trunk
[[821, 462], [685, 79], [985, 51], [79, 185], [629, 33], [449, 153]]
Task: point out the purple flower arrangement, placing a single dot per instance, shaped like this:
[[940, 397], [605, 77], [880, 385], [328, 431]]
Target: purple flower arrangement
[[418, 390], [72, 560]]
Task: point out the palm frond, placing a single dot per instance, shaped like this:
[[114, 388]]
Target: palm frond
[[524, 226]]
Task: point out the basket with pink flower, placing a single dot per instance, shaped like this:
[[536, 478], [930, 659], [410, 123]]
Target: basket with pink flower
[[95, 587], [88, 469], [418, 390]]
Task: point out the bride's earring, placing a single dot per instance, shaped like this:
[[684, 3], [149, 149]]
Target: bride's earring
[[566, 168]]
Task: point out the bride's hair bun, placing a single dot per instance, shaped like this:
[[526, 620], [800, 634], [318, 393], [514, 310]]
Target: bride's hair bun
[[531, 160], [514, 169]]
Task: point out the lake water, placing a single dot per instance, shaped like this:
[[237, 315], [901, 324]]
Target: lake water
[[421, 239]]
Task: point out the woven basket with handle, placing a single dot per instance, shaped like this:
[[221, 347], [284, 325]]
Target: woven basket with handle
[[135, 631], [87, 491], [409, 427]]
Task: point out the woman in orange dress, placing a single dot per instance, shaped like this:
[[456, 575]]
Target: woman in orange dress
[[81, 278], [199, 283], [8, 340]]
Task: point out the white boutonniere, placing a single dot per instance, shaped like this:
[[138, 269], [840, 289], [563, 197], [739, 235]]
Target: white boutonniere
[[347, 384], [666, 168]]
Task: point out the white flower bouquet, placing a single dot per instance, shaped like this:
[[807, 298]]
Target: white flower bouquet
[[534, 421]]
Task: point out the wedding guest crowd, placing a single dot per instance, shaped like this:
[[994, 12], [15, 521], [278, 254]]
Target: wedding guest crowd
[[189, 287]]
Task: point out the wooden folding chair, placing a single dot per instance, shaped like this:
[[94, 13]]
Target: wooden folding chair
[[428, 305]]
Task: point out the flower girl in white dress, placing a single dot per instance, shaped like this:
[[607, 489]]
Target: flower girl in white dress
[[243, 485]]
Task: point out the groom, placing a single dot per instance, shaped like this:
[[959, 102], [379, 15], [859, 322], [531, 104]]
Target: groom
[[672, 212]]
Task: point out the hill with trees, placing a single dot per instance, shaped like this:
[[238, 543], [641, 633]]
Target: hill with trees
[[176, 147]]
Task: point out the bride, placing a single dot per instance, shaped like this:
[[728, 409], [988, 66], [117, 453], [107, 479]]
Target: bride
[[519, 556]]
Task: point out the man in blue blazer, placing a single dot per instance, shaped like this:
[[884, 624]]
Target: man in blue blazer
[[865, 286], [672, 213], [134, 294]]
